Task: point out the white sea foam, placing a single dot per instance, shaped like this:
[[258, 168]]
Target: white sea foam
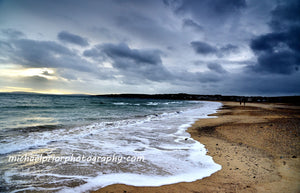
[[152, 103], [170, 154], [121, 103], [174, 158]]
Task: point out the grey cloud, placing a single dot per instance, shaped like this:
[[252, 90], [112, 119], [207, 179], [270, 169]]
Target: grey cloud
[[125, 20], [146, 28], [33, 53], [50, 54], [283, 62], [216, 68], [285, 14], [5, 45], [267, 42], [39, 53], [294, 39], [132, 62], [6, 49], [151, 57], [189, 23], [203, 48], [225, 28], [186, 78], [138, 65], [208, 77], [34, 49], [106, 33], [94, 52], [229, 48], [211, 9], [12, 33], [72, 38], [36, 79], [222, 61], [68, 75], [38, 82], [223, 21], [247, 84], [46, 73], [263, 84], [279, 51]]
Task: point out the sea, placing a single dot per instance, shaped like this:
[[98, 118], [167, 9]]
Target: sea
[[61, 143]]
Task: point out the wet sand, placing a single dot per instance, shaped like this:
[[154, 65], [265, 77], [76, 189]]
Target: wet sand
[[257, 145]]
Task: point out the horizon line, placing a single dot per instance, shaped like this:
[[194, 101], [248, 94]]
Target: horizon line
[[89, 94]]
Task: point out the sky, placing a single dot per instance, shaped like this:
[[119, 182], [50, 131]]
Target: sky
[[228, 47]]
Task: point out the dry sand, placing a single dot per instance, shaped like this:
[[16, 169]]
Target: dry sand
[[257, 145]]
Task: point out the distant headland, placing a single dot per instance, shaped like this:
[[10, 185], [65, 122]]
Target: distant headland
[[184, 96]]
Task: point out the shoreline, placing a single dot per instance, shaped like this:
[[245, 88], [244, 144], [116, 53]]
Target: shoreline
[[257, 145]]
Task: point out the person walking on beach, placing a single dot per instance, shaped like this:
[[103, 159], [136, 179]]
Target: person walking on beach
[[242, 100]]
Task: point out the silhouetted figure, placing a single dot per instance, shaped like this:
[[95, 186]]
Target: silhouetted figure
[[242, 100]]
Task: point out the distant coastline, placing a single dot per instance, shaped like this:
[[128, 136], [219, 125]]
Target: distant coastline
[[184, 96]]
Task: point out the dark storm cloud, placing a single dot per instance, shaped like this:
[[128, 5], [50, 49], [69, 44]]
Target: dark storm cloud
[[137, 65], [229, 48], [149, 57], [216, 68], [187, 78], [264, 84], [204, 48], [72, 38], [268, 42], [221, 7], [207, 77], [208, 9], [279, 51], [35, 50], [145, 20], [220, 32], [145, 27], [132, 62], [283, 62], [285, 14], [34, 53], [189, 23]]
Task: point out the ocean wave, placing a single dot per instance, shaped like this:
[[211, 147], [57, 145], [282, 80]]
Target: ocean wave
[[171, 155]]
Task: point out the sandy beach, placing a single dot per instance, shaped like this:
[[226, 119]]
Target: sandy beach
[[258, 146]]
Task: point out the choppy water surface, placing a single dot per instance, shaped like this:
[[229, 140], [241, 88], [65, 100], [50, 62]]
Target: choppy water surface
[[78, 143]]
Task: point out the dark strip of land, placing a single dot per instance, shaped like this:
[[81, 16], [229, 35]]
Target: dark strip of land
[[183, 96]]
